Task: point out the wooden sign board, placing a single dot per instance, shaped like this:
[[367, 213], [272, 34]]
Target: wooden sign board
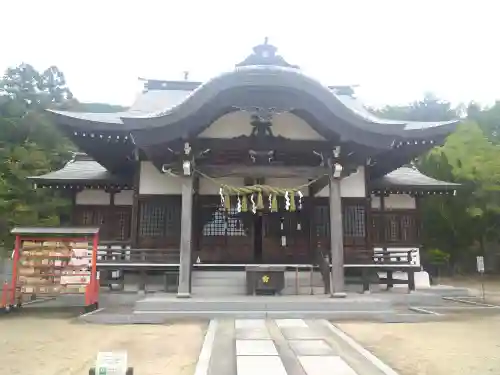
[[111, 363], [480, 264]]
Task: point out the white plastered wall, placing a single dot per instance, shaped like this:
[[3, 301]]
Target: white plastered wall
[[124, 198], [353, 186], [92, 197], [395, 202], [209, 187], [153, 182], [238, 123], [289, 182]]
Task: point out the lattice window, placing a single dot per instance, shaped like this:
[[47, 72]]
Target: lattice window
[[114, 222], [354, 221], [322, 220], [160, 218], [224, 223], [408, 228], [87, 217], [120, 223], [394, 228]]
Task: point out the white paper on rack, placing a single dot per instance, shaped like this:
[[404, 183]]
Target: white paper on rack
[[75, 279], [80, 253], [79, 262]]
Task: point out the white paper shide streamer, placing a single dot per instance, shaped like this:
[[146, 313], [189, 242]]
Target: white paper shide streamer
[[238, 204], [254, 207], [222, 200], [301, 196]]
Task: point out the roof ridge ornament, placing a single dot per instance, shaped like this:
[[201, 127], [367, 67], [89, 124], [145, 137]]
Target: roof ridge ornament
[[265, 54]]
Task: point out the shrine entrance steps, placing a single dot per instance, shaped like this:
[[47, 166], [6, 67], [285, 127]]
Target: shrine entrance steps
[[233, 283]]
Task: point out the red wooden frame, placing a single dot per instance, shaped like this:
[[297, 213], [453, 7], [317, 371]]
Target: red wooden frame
[[91, 289]]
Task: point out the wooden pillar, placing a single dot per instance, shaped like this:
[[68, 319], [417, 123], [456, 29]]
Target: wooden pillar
[[73, 219], [368, 218], [384, 221], [186, 231], [195, 225], [134, 215], [336, 239]]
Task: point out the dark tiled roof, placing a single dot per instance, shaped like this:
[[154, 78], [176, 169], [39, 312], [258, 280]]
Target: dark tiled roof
[[406, 177], [80, 170], [151, 101], [163, 103]]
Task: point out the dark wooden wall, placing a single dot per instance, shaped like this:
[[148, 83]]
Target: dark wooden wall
[[219, 237], [114, 221]]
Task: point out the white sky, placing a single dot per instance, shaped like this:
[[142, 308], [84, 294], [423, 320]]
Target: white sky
[[394, 49]]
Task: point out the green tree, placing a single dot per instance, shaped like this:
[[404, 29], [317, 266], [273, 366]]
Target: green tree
[[456, 224], [30, 145], [430, 108], [488, 119]]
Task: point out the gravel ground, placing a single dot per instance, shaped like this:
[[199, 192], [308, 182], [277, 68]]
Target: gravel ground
[[57, 345], [466, 346]]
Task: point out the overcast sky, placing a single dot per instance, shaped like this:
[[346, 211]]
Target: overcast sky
[[394, 49]]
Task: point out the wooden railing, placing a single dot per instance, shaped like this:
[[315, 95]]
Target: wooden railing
[[120, 252]]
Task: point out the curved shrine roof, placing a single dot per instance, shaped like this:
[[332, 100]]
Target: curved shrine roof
[[81, 170], [157, 116], [411, 178], [171, 109]]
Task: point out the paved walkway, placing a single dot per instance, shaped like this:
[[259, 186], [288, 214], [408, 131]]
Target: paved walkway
[[281, 347]]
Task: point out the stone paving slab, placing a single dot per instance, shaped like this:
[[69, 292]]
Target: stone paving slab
[[260, 365], [301, 333], [322, 365], [250, 323], [282, 323], [311, 347], [255, 348], [223, 356], [252, 334]]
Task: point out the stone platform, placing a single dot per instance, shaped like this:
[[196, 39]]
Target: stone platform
[[253, 307], [158, 308]]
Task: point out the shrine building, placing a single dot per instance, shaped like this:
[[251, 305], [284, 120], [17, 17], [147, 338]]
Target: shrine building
[[261, 165]]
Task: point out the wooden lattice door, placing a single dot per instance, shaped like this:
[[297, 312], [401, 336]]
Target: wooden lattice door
[[285, 238], [223, 237]]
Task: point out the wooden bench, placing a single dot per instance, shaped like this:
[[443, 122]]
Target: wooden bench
[[388, 262]]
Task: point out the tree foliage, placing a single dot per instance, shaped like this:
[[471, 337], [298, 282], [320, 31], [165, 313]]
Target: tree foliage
[[460, 225], [30, 145]]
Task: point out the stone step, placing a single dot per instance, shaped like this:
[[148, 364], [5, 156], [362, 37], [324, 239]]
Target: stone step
[[166, 302], [159, 317], [303, 290], [218, 290], [203, 274]]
